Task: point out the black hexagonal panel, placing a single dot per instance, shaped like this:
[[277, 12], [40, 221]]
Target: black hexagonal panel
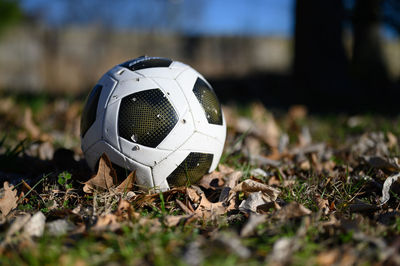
[[146, 62], [146, 117], [191, 170], [209, 101], [90, 109]]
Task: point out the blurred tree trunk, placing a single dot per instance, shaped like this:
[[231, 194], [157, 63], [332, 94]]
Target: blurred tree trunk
[[320, 63], [368, 64]]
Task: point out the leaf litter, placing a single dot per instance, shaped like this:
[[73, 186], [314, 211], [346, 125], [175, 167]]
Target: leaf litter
[[279, 194]]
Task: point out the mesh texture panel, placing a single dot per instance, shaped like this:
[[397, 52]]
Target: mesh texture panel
[[209, 101], [90, 109], [146, 117], [191, 170]]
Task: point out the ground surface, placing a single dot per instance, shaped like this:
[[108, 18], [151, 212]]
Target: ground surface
[[291, 188]]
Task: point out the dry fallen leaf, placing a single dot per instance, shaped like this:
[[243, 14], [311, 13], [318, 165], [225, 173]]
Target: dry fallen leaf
[[216, 178], [192, 194], [390, 164], [292, 210], [386, 188], [29, 125], [250, 204], [252, 223], [282, 251], [185, 207], [231, 181], [9, 200], [323, 204], [267, 128], [297, 112], [174, 220], [363, 207], [207, 209], [212, 180], [104, 179], [329, 257], [392, 140], [107, 222], [232, 242], [125, 211], [127, 184], [250, 185]]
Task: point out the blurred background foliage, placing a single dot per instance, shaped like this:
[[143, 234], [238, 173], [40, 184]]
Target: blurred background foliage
[[10, 13], [329, 55]]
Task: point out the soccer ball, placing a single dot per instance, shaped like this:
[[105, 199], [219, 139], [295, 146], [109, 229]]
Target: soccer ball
[[158, 117]]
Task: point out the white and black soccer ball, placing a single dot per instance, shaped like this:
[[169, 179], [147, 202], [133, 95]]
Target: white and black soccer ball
[[158, 117]]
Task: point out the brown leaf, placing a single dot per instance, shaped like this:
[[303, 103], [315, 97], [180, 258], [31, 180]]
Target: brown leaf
[[267, 207], [274, 181], [128, 183], [252, 146], [267, 129], [207, 209], [252, 223], [297, 112], [212, 180], [390, 164], [108, 221], [9, 200], [250, 185], [216, 178], [292, 210], [232, 180], [392, 140], [250, 204], [362, 207], [328, 258], [184, 207], [104, 179], [323, 204], [29, 125], [305, 165], [192, 194], [125, 211], [174, 220]]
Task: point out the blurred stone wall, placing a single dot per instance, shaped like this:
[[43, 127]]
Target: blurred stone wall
[[71, 60]]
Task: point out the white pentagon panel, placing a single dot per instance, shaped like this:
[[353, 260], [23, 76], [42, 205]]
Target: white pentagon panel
[[142, 154], [173, 93], [109, 84], [144, 175], [179, 134], [201, 143], [110, 127], [121, 73], [160, 72], [216, 131], [130, 86], [186, 82], [178, 65]]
